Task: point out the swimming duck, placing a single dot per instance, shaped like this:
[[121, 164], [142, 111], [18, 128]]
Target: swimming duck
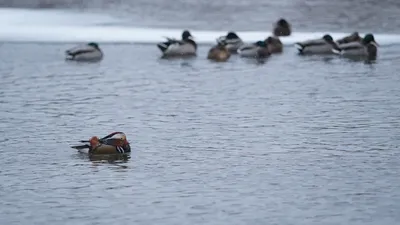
[[233, 41], [257, 50], [220, 52], [274, 45], [351, 38], [185, 47], [88, 52], [114, 143], [323, 45], [368, 47], [282, 28]]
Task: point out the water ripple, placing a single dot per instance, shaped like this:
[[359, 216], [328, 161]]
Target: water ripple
[[297, 140]]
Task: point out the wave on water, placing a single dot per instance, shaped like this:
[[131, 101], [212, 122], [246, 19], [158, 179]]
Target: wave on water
[[49, 26]]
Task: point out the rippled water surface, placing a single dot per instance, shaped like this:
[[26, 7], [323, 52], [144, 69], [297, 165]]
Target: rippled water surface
[[291, 140]]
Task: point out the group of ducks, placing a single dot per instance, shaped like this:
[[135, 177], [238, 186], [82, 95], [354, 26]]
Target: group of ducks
[[352, 45]]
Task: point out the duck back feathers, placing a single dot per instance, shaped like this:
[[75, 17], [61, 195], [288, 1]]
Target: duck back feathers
[[274, 45]]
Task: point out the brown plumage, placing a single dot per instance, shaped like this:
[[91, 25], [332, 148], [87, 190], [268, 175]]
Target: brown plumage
[[282, 28], [274, 45], [354, 37], [219, 52]]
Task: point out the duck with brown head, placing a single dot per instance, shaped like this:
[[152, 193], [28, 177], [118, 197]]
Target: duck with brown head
[[350, 38], [184, 47], [274, 45], [282, 28], [219, 53]]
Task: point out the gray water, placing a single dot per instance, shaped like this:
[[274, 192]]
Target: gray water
[[291, 140]]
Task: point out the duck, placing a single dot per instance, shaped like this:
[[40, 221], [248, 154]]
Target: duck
[[185, 47], [367, 47], [258, 49], [89, 52], [233, 41], [274, 44], [219, 52], [355, 36], [282, 28], [323, 45], [114, 143]]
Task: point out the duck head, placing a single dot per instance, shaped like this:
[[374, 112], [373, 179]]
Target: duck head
[[369, 38], [118, 139], [283, 23], [328, 38], [93, 44], [261, 44], [186, 35], [232, 35]]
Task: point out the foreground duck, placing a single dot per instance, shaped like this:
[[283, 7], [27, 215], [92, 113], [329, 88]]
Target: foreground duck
[[114, 143], [185, 47], [255, 50], [323, 45], [232, 40], [274, 45], [367, 47], [282, 28], [88, 52], [219, 53]]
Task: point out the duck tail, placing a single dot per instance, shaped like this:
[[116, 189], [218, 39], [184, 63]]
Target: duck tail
[[299, 47], [163, 46]]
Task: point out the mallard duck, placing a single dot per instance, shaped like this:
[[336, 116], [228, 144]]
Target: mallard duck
[[233, 41], [282, 28], [219, 53], [257, 50], [185, 47], [323, 45], [351, 38], [274, 45], [88, 52], [367, 47], [114, 143]]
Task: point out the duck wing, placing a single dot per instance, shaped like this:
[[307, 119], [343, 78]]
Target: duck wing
[[351, 46], [248, 46], [313, 42]]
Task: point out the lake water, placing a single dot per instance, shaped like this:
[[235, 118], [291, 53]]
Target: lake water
[[290, 140]]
